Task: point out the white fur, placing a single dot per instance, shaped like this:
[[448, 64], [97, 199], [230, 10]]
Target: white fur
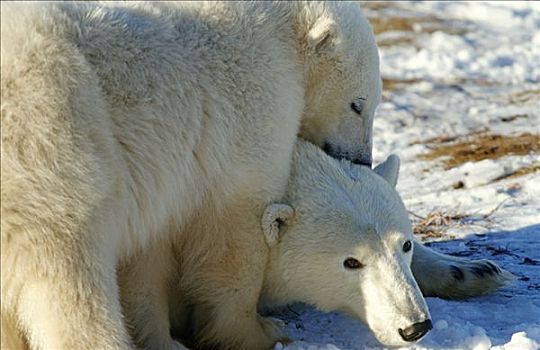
[[342, 210], [452, 277], [125, 124], [329, 216], [334, 210]]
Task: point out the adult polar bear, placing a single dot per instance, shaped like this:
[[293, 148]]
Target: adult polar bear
[[121, 122]]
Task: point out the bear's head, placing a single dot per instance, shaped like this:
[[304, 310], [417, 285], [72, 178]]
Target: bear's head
[[343, 242], [341, 75]]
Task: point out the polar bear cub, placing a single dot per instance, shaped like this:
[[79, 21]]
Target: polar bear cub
[[343, 242]]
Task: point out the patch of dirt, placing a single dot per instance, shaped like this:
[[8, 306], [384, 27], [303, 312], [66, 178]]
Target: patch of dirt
[[475, 147]]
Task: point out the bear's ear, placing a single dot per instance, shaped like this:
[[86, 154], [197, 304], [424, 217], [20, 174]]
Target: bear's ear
[[322, 37], [389, 169], [274, 217]]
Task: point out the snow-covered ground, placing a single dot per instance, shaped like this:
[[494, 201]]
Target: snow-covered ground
[[453, 69]]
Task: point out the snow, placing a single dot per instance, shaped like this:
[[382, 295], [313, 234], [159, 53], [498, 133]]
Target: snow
[[512, 57], [483, 76]]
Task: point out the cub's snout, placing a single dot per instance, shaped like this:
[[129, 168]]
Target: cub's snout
[[416, 331]]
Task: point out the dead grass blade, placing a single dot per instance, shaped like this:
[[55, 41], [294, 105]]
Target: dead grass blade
[[477, 147]]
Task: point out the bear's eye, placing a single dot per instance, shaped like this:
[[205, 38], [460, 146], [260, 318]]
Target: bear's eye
[[407, 246], [352, 263], [358, 105]]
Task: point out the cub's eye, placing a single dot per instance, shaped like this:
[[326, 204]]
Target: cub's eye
[[407, 246], [357, 107], [352, 263]]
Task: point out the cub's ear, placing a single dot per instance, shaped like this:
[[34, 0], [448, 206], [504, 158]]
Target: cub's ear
[[322, 37], [389, 169], [274, 217]]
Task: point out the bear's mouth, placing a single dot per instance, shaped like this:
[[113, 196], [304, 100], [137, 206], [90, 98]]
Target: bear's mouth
[[337, 153], [360, 161]]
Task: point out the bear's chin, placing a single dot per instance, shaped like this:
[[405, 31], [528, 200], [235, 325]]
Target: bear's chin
[[387, 338]]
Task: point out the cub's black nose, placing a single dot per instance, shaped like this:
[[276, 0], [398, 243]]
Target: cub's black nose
[[416, 331]]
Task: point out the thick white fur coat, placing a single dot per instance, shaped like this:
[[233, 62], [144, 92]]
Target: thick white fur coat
[[124, 123]]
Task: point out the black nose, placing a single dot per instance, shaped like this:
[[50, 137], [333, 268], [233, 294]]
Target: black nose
[[416, 331], [360, 161]]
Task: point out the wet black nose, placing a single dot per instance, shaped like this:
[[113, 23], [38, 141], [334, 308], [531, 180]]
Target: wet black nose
[[416, 331], [361, 161]]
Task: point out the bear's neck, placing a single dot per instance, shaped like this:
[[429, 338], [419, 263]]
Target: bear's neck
[[276, 291]]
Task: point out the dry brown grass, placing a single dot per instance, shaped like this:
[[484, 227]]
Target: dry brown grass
[[389, 16], [475, 147], [524, 96], [397, 40], [391, 84], [435, 224], [520, 172], [376, 5], [446, 139], [395, 84], [387, 24]]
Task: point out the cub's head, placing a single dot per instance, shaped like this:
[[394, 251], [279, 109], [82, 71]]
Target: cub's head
[[342, 79], [343, 241]]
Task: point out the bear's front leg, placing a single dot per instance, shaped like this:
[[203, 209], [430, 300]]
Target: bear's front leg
[[238, 327], [145, 291], [227, 287]]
